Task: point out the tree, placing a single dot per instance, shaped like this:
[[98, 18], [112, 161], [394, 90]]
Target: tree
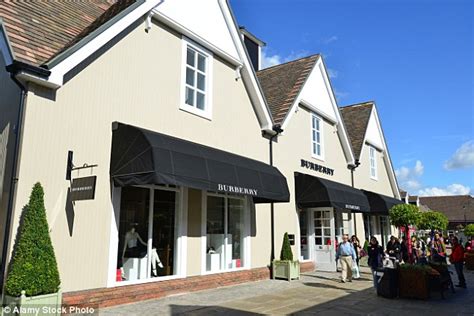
[[404, 215], [286, 253], [33, 267], [469, 230], [433, 220]]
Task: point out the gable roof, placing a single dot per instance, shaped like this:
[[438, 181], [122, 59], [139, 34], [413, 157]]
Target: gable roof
[[356, 118], [40, 30], [454, 206], [282, 83]]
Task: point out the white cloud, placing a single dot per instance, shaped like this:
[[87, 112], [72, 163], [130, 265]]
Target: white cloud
[[330, 39], [452, 189], [340, 94], [276, 59], [332, 73], [463, 158], [409, 178], [268, 61]]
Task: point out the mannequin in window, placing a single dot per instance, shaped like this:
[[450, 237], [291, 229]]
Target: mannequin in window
[[135, 247]]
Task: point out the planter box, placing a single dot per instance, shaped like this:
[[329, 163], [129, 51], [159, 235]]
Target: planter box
[[470, 260], [48, 304], [413, 284], [288, 270]]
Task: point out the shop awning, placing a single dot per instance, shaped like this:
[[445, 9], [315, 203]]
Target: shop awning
[[380, 204], [317, 192], [142, 157]]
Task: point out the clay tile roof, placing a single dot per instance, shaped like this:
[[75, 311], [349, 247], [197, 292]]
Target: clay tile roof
[[454, 207], [412, 198], [282, 83], [39, 30], [356, 118], [403, 194]]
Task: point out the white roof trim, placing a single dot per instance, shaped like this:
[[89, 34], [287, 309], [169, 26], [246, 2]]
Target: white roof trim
[[386, 157], [248, 75], [318, 111], [58, 71], [341, 132]]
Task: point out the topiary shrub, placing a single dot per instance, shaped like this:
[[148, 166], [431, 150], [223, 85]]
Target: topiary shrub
[[33, 266], [432, 220], [469, 230], [286, 254]]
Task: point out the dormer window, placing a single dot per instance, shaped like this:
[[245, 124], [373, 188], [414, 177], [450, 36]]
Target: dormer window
[[196, 83], [317, 137], [373, 162]]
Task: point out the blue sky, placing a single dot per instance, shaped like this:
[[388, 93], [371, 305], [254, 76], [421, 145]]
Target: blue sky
[[414, 58]]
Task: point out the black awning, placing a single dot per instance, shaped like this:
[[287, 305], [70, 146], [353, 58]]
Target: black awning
[[141, 157], [380, 204], [317, 192]]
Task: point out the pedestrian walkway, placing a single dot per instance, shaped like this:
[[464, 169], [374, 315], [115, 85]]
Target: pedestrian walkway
[[317, 293]]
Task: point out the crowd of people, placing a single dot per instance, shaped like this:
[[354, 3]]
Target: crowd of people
[[423, 251]]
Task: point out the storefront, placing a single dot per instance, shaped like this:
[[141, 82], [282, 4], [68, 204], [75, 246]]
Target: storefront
[[325, 213], [151, 174], [377, 222]]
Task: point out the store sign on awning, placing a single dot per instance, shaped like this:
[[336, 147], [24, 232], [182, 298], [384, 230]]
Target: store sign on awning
[[83, 188]]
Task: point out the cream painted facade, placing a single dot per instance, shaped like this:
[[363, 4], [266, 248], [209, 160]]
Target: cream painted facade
[[137, 82]]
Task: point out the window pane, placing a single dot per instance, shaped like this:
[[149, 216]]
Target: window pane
[[190, 57], [314, 149], [318, 137], [318, 241], [317, 231], [200, 101], [215, 233], [164, 234], [189, 76], [235, 236], [314, 135], [189, 96], [201, 62], [327, 231], [201, 82], [133, 233], [318, 150]]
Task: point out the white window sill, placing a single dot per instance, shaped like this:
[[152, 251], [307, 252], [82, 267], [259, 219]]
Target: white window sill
[[190, 109], [320, 158], [374, 178]]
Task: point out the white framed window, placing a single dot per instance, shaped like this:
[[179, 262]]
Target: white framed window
[[317, 150], [373, 162], [225, 227], [196, 84]]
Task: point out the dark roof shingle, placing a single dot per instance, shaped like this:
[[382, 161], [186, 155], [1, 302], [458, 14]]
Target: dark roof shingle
[[356, 118], [281, 84], [39, 30], [454, 207]]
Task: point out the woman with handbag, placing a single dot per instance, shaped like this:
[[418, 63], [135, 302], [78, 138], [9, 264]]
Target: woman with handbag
[[355, 265], [375, 252]]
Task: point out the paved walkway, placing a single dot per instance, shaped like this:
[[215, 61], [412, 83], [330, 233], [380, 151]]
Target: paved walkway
[[317, 293]]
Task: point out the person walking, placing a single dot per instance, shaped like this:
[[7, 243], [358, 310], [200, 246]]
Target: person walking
[[394, 248], [357, 247], [457, 259], [375, 253], [404, 250], [438, 249], [346, 254]]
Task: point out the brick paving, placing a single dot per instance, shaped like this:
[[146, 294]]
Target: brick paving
[[317, 293]]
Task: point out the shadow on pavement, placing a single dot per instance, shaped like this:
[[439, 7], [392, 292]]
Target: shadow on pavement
[[329, 286], [206, 310]]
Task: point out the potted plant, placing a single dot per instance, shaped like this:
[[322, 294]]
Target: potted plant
[[414, 281], [469, 232], [33, 280], [286, 268]]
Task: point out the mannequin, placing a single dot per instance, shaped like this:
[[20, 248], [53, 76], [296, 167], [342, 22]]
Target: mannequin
[[135, 247]]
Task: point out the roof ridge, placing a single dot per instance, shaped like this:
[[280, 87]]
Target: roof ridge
[[371, 102], [289, 62]]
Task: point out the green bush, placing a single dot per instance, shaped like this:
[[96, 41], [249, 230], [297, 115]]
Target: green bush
[[286, 253], [404, 215], [33, 266], [469, 230], [416, 267], [433, 220]]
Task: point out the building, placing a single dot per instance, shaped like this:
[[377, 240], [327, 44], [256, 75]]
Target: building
[[459, 209], [150, 129], [144, 124], [373, 172]]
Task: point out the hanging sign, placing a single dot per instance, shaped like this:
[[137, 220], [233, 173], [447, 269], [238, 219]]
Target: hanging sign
[[83, 188]]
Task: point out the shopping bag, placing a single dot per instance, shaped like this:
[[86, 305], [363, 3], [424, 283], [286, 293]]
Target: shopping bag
[[355, 270]]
